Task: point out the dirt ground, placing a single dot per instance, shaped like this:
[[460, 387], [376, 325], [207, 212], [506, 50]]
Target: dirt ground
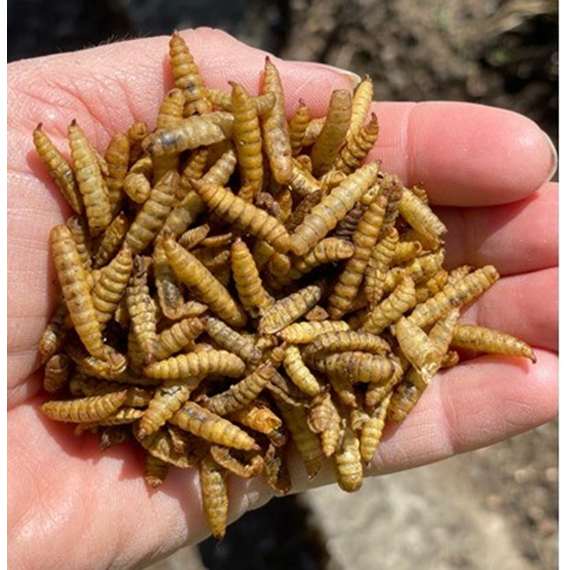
[[497, 52]]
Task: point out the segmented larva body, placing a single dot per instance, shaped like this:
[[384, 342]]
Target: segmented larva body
[[297, 127], [420, 216], [353, 153], [378, 266], [53, 335], [223, 457], [361, 101], [232, 341], [304, 333], [372, 430], [137, 184], [348, 462], [82, 410], [57, 372], [257, 416], [346, 340], [299, 373], [418, 348], [111, 240], [303, 182], [355, 366], [214, 490], [166, 401], [80, 234], [117, 159], [176, 337]]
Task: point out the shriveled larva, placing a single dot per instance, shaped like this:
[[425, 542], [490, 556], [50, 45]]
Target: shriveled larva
[[257, 416], [357, 147], [90, 180], [347, 226], [214, 490], [348, 462], [332, 208], [136, 133], [196, 364], [372, 430], [304, 333], [419, 269], [306, 442], [194, 236], [302, 210], [57, 371], [112, 284], [249, 286], [299, 372], [111, 240], [166, 401], [141, 309], [418, 348], [59, 169], [151, 217], [155, 471], [343, 388], [274, 126], [400, 301], [242, 393], [73, 282], [137, 184], [332, 136], [82, 410], [341, 341], [356, 366], [190, 133], [231, 340], [297, 127], [168, 287], [117, 159], [247, 137], [80, 233], [420, 216], [453, 295], [53, 335], [137, 397], [203, 284], [406, 251], [378, 266], [161, 445], [364, 239], [186, 75], [287, 310], [110, 368], [324, 419], [211, 427], [302, 182], [223, 457], [483, 339], [276, 470], [177, 336], [362, 99], [245, 216], [376, 392], [114, 435]]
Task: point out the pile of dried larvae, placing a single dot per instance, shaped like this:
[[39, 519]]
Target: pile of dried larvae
[[233, 283]]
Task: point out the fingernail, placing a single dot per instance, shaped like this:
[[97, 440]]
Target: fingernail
[[355, 79], [553, 157]]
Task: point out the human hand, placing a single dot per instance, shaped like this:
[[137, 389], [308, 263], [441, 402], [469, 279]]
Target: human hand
[[71, 506]]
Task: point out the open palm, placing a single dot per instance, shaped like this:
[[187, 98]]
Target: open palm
[[71, 506]]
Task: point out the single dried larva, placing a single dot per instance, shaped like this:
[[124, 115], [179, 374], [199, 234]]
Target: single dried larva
[[418, 348], [332, 208], [372, 430], [378, 266], [442, 332], [75, 289], [325, 420], [420, 216], [80, 233], [400, 301], [211, 427], [302, 182], [111, 240], [483, 339], [355, 366], [137, 397], [232, 341], [203, 284], [454, 294], [247, 138], [419, 269], [193, 237], [304, 333], [177, 336], [137, 183], [406, 251], [364, 239], [59, 169], [287, 310], [136, 133], [186, 75], [151, 217], [332, 136], [190, 133], [360, 106], [348, 462], [275, 129], [168, 288], [53, 335], [90, 180], [83, 410], [166, 401], [223, 457], [257, 416], [57, 371], [299, 372], [141, 309], [196, 364], [345, 340], [244, 215], [242, 393], [112, 284], [307, 443], [297, 127], [357, 147], [249, 286], [155, 470]]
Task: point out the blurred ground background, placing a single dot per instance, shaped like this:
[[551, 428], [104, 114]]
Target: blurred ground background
[[494, 508]]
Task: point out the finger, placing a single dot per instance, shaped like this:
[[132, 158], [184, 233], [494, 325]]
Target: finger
[[464, 154], [516, 238], [524, 305]]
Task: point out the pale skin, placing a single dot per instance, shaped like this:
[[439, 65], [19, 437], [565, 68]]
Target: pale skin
[[71, 506]]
